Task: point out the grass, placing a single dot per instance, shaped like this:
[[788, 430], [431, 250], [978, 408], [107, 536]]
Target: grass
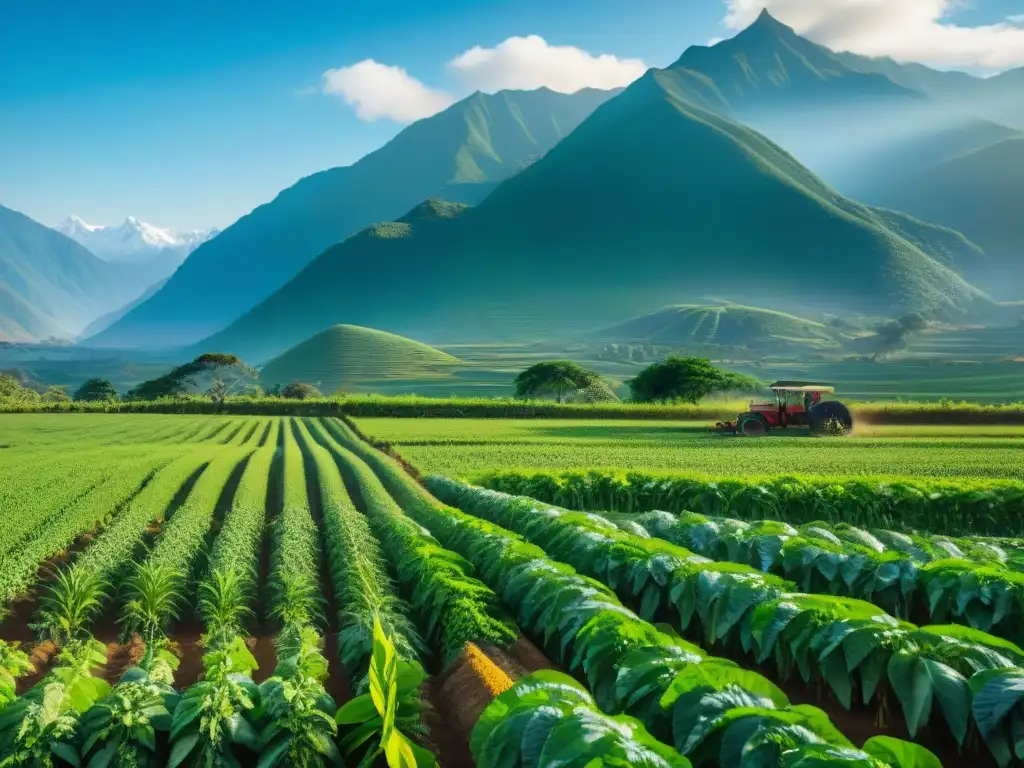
[[465, 447], [346, 354]]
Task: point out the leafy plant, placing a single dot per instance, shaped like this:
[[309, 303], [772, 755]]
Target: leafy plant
[[154, 600], [547, 718], [224, 605], [71, 603], [214, 717], [39, 728], [14, 663], [121, 728], [377, 723], [297, 726]]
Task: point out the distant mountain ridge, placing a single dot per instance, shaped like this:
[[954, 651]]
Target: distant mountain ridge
[[133, 240], [653, 199], [460, 153], [50, 286]]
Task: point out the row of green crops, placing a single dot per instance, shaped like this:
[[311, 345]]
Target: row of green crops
[[970, 581], [451, 606], [79, 592], [632, 667], [19, 565], [166, 573], [229, 588], [844, 643], [958, 508], [294, 591], [358, 571]]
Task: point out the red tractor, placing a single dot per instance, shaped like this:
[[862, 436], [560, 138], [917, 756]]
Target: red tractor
[[797, 404]]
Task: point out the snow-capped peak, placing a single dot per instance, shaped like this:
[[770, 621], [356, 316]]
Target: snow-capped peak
[[133, 240]]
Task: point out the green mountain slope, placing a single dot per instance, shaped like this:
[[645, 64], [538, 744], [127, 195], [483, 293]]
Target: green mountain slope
[[49, 284], [728, 325], [460, 153], [651, 201], [344, 356], [859, 122], [870, 127], [980, 194]]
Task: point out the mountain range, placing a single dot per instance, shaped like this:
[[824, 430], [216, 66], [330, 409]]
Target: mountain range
[[459, 154], [766, 169], [50, 286], [134, 240], [651, 198]]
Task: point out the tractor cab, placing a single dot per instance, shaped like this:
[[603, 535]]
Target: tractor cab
[[793, 401], [796, 404]]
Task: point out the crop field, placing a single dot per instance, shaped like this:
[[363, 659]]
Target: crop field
[[231, 590], [467, 447]]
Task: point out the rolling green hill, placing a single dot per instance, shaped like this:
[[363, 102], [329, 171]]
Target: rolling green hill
[[727, 325], [459, 153], [979, 194], [347, 356], [651, 201], [49, 284]]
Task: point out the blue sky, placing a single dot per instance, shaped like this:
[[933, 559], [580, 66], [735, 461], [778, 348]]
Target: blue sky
[[189, 114]]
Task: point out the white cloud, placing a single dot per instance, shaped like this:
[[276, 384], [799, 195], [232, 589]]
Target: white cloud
[[908, 30], [378, 91], [531, 62], [1019, 19]]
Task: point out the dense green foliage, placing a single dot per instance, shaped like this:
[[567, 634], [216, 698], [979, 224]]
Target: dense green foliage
[[343, 355], [215, 374], [630, 665], [686, 379], [452, 607], [555, 378], [941, 507], [297, 390], [96, 390], [846, 644]]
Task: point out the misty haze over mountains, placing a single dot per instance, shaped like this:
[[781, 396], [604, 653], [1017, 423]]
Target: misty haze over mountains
[[765, 168]]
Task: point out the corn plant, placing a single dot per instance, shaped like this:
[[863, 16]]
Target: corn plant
[[71, 603], [153, 600], [224, 605]]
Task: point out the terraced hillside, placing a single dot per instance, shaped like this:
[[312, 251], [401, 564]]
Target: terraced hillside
[[729, 325], [347, 356]]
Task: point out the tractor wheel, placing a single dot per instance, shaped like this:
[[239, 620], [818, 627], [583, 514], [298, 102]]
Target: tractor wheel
[[752, 425], [830, 418]]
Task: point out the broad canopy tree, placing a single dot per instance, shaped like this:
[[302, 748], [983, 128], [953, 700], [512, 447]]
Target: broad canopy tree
[[214, 374], [95, 390], [558, 378], [689, 379]]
